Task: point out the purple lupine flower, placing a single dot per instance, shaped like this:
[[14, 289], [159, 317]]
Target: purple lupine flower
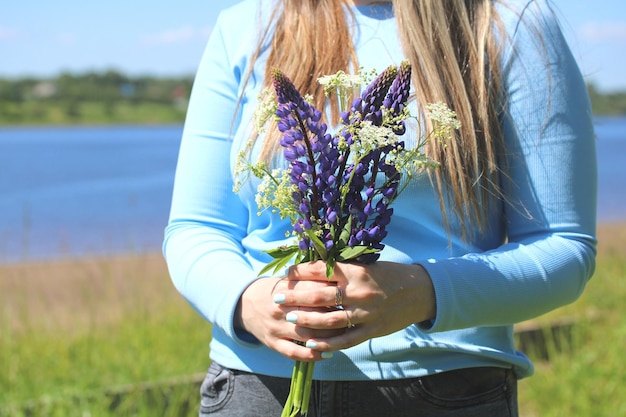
[[390, 90], [340, 199], [308, 148], [398, 95], [371, 100], [286, 92], [399, 90], [331, 193]]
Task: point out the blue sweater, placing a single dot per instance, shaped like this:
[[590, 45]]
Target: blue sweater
[[537, 254]]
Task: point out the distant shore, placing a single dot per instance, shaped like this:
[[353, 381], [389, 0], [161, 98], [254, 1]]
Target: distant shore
[[150, 120]]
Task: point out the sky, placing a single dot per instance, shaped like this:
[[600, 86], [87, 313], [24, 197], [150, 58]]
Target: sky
[[166, 38]]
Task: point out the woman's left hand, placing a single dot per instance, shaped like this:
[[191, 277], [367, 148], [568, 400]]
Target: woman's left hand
[[376, 300]]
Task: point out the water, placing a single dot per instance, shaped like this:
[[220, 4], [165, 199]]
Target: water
[[79, 191], [75, 191], [611, 147]]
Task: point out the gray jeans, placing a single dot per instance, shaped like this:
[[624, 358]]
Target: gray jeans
[[476, 392]]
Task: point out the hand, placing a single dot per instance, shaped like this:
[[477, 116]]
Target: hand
[[260, 315], [378, 299]]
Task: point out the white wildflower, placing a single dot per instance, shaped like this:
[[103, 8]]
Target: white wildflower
[[275, 192], [242, 170], [442, 116], [345, 86], [410, 162], [340, 81], [370, 137], [265, 110]]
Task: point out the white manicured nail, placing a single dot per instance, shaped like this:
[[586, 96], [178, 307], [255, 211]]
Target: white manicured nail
[[280, 298], [291, 317]]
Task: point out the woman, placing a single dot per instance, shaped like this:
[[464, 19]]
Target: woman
[[502, 232]]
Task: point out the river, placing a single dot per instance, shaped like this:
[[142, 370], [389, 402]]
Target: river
[[76, 191]]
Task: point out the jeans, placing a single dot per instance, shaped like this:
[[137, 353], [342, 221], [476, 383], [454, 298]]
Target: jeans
[[475, 392]]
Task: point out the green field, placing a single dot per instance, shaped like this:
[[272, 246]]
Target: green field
[[111, 337]]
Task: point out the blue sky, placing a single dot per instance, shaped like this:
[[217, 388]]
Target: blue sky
[[167, 37]]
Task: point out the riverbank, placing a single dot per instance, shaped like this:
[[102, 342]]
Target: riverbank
[[51, 292]]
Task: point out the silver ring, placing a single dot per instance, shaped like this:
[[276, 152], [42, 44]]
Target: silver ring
[[350, 325], [339, 298]]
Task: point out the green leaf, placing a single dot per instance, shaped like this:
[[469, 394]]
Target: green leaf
[[282, 251], [278, 263], [350, 253], [330, 267], [302, 256], [345, 234], [317, 243]]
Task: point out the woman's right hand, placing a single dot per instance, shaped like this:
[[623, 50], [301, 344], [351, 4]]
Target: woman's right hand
[[259, 314]]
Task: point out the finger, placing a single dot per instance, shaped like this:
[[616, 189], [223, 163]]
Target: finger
[[325, 296], [300, 352], [322, 320], [303, 334], [292, 329], [308, 271], [349, 338], [284, 283]]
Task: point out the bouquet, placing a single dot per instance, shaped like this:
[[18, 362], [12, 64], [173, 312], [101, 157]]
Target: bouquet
[[337, 188]]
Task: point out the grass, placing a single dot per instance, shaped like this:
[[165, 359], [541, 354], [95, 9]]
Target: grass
[[76, 334], [73, 330], [591, 379]]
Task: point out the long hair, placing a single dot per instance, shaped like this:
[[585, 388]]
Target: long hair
[[452, 47]]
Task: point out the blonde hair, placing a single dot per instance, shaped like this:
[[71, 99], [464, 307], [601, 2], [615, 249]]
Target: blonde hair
[[454, 54]]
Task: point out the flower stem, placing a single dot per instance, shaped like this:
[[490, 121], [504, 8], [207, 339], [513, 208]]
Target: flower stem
[[307, 141], [297, 403], [292, 391], [299, 392], [308, 383]]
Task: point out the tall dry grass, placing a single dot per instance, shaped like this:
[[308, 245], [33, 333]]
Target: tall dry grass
[[74, 295]]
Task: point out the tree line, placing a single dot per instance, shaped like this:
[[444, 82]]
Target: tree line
[[93, 97], [607, 104], [113, 97]]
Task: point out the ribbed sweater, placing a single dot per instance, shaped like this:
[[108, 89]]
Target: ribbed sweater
[[537, 253]]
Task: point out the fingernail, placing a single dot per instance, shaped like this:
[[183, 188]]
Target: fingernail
[[327, 355], [311, 344], [291, 317], [280, 298]]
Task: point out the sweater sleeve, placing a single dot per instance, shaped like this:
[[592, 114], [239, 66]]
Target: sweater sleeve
[[550, 212], [202, 243]]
